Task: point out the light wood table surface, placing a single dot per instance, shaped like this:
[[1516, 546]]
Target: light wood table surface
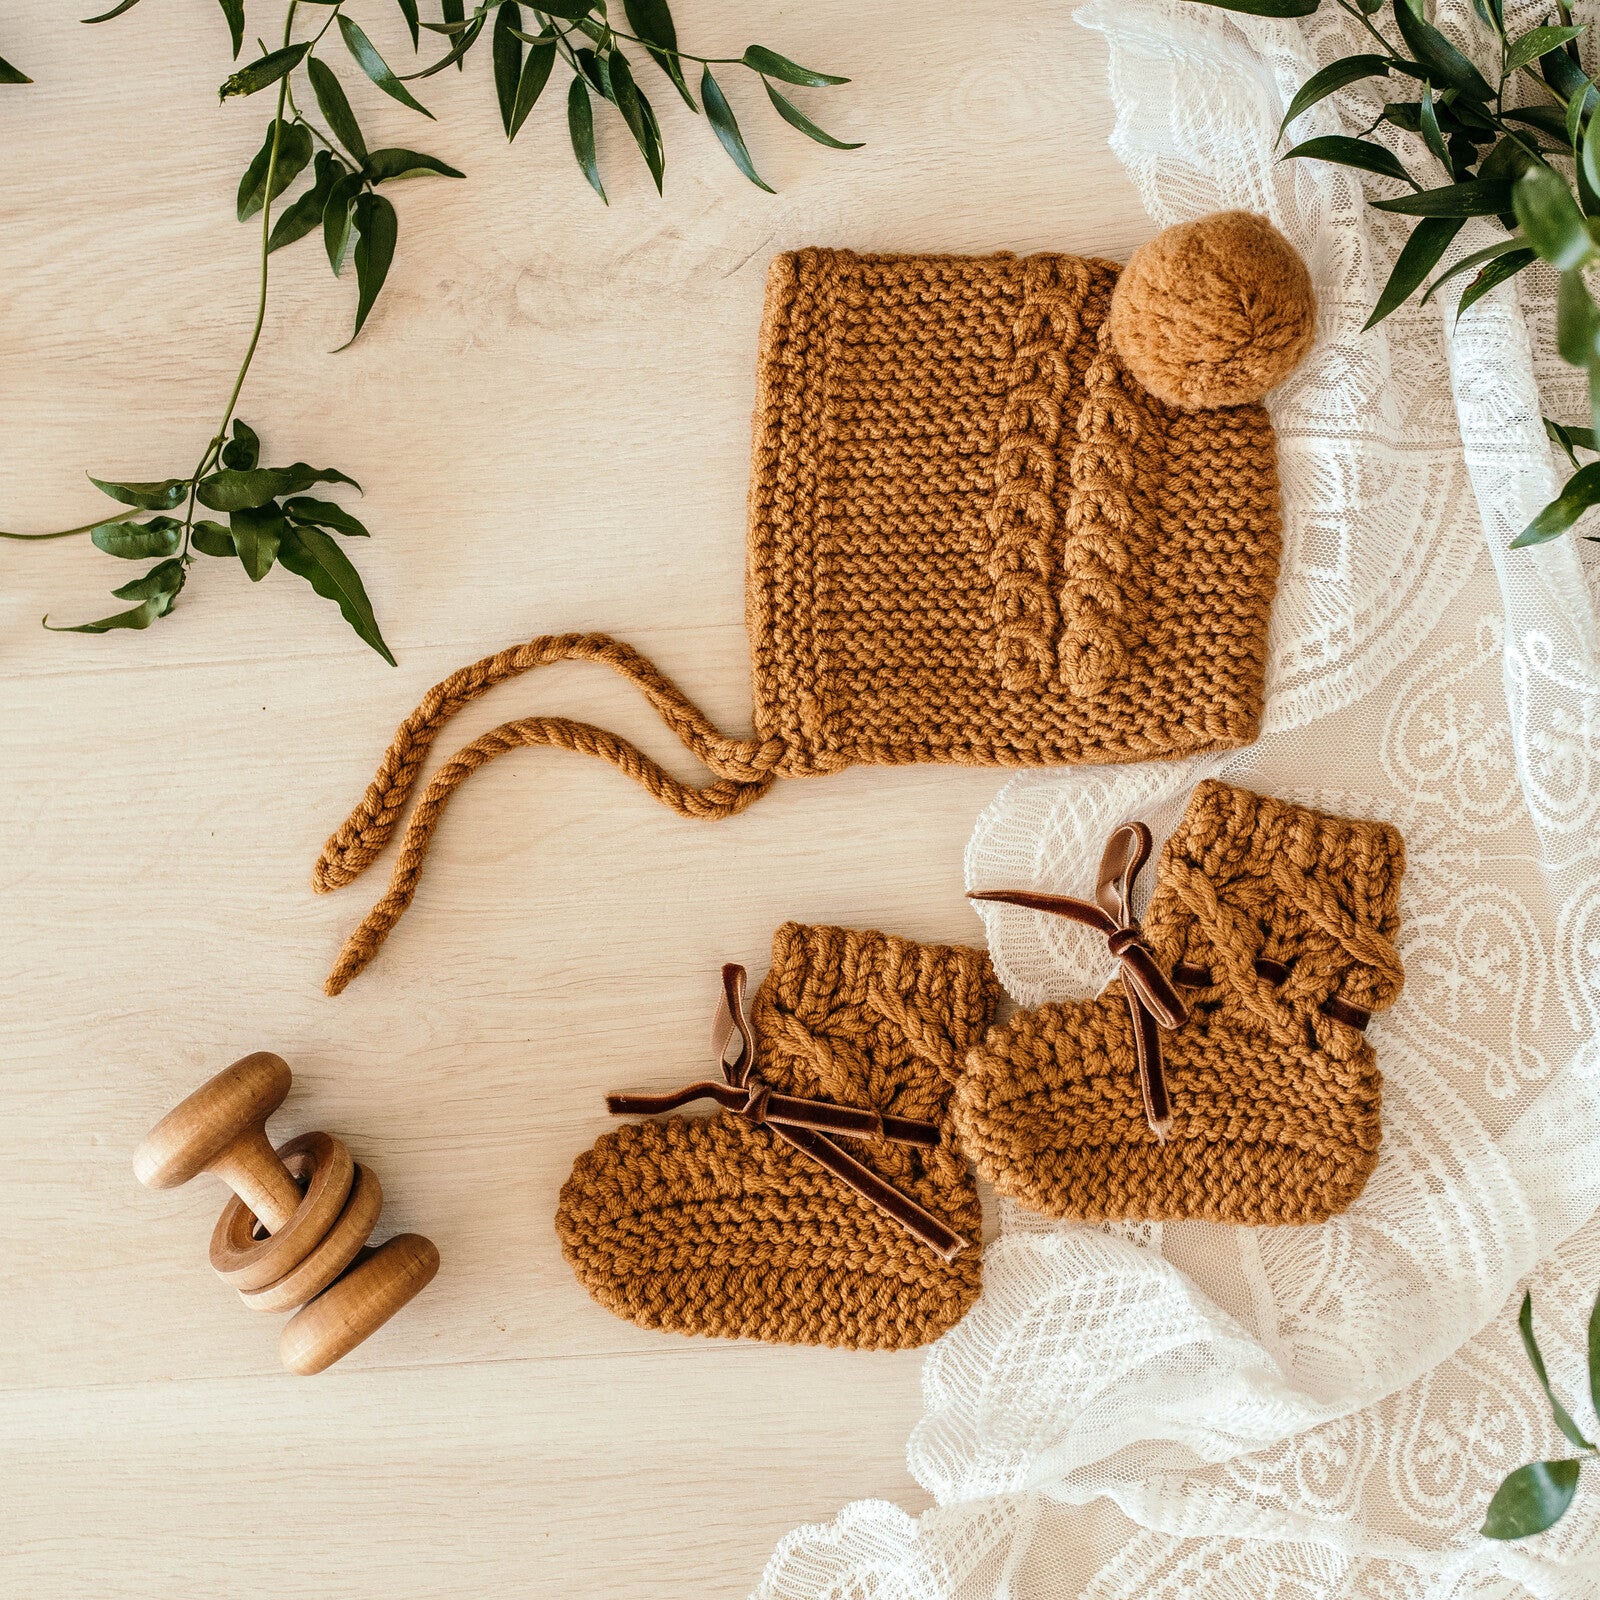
[[550, 413]]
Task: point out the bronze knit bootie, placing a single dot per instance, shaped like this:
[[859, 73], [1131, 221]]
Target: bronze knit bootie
[[825, 1203], [1275, 924]]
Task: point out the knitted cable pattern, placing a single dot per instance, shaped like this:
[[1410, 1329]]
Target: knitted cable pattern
[[973, 537], [716, 1226], [1022, 520], [1275, 1103], [1108, 523]]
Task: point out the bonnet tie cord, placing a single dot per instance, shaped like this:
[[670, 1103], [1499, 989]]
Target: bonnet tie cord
[[745, 769]]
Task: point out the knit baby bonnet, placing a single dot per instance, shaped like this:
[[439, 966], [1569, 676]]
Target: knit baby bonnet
[[755, 1222], [1274, 927], [1004, 512]]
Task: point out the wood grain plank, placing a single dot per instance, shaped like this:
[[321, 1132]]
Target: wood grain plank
[[550, 412]]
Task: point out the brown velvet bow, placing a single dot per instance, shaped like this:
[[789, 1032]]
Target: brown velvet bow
[[809, 1125], [1153, 1003]]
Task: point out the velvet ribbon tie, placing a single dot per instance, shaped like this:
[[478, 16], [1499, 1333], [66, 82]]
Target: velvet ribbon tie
[[810, 1126], [1153, 1002]]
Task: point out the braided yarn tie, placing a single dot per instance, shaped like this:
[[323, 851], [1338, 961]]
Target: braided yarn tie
[[745, 770]]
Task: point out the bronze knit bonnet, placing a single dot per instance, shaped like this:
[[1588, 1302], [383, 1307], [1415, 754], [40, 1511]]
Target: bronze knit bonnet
[[1004, 511]]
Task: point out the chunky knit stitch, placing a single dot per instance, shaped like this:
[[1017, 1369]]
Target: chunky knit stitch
[[974, 537], [1275, 1102], [716, 1226]]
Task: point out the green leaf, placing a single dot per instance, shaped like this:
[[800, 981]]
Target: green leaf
[[1476, 259], [409, 10], [1550, 218], [232, 490], [771, 65], [507, 50], [1571, 441], [264, 73], [1477, 197], [1497, 272], [233, 10], [375, 67], [388, 166], [726, 125], [1536, 1360], [1577, 321], [115, 11], [336, 218], [1334, 77], [462, 45], [569, 10], [138, 541], [632, 104], [1359, 153], [166, 577], [379, 230], [311, 554], [1580, 491], [1429, 240], [211, 539], [325, 514], [455, 15], [1537, 42], [294, 152], [10, 74], [535, 74], [156, 591], [1562, 73], [595, 70], [298, 218], [256, 532], [1532, 1499], [1428, 123], [580, 126], [335, 106], [162, 496], [652, 21], [244, 449], [1445, 66], [796, 118]]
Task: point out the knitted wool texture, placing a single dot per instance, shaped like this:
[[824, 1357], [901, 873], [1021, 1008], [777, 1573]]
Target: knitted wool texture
[[716, 1226], [974, 535], [1275, 1104]]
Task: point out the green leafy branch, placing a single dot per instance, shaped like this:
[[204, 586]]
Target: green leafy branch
[[1536, 1497], [271, 522], [1534, 169]]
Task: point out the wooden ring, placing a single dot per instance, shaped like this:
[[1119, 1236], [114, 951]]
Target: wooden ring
[[247, 1262], [338, 1248]]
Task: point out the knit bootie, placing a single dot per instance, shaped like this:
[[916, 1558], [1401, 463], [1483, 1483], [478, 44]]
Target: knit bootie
[[825, 1203], [1276, 925]]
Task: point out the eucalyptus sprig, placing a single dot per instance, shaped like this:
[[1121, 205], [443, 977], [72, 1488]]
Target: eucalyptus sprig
[[1536, 1497], [1517, 145], [271, 521]]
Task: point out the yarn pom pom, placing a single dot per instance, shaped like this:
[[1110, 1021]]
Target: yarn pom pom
[[1214, 312]]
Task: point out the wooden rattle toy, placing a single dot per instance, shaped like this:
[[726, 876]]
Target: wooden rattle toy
[[295, 1232]]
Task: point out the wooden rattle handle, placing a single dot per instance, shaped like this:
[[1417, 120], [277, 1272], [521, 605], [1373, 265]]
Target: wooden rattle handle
[[221, 1128]]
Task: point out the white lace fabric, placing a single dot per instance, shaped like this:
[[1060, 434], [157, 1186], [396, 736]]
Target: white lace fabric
[[1318, 1413]]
